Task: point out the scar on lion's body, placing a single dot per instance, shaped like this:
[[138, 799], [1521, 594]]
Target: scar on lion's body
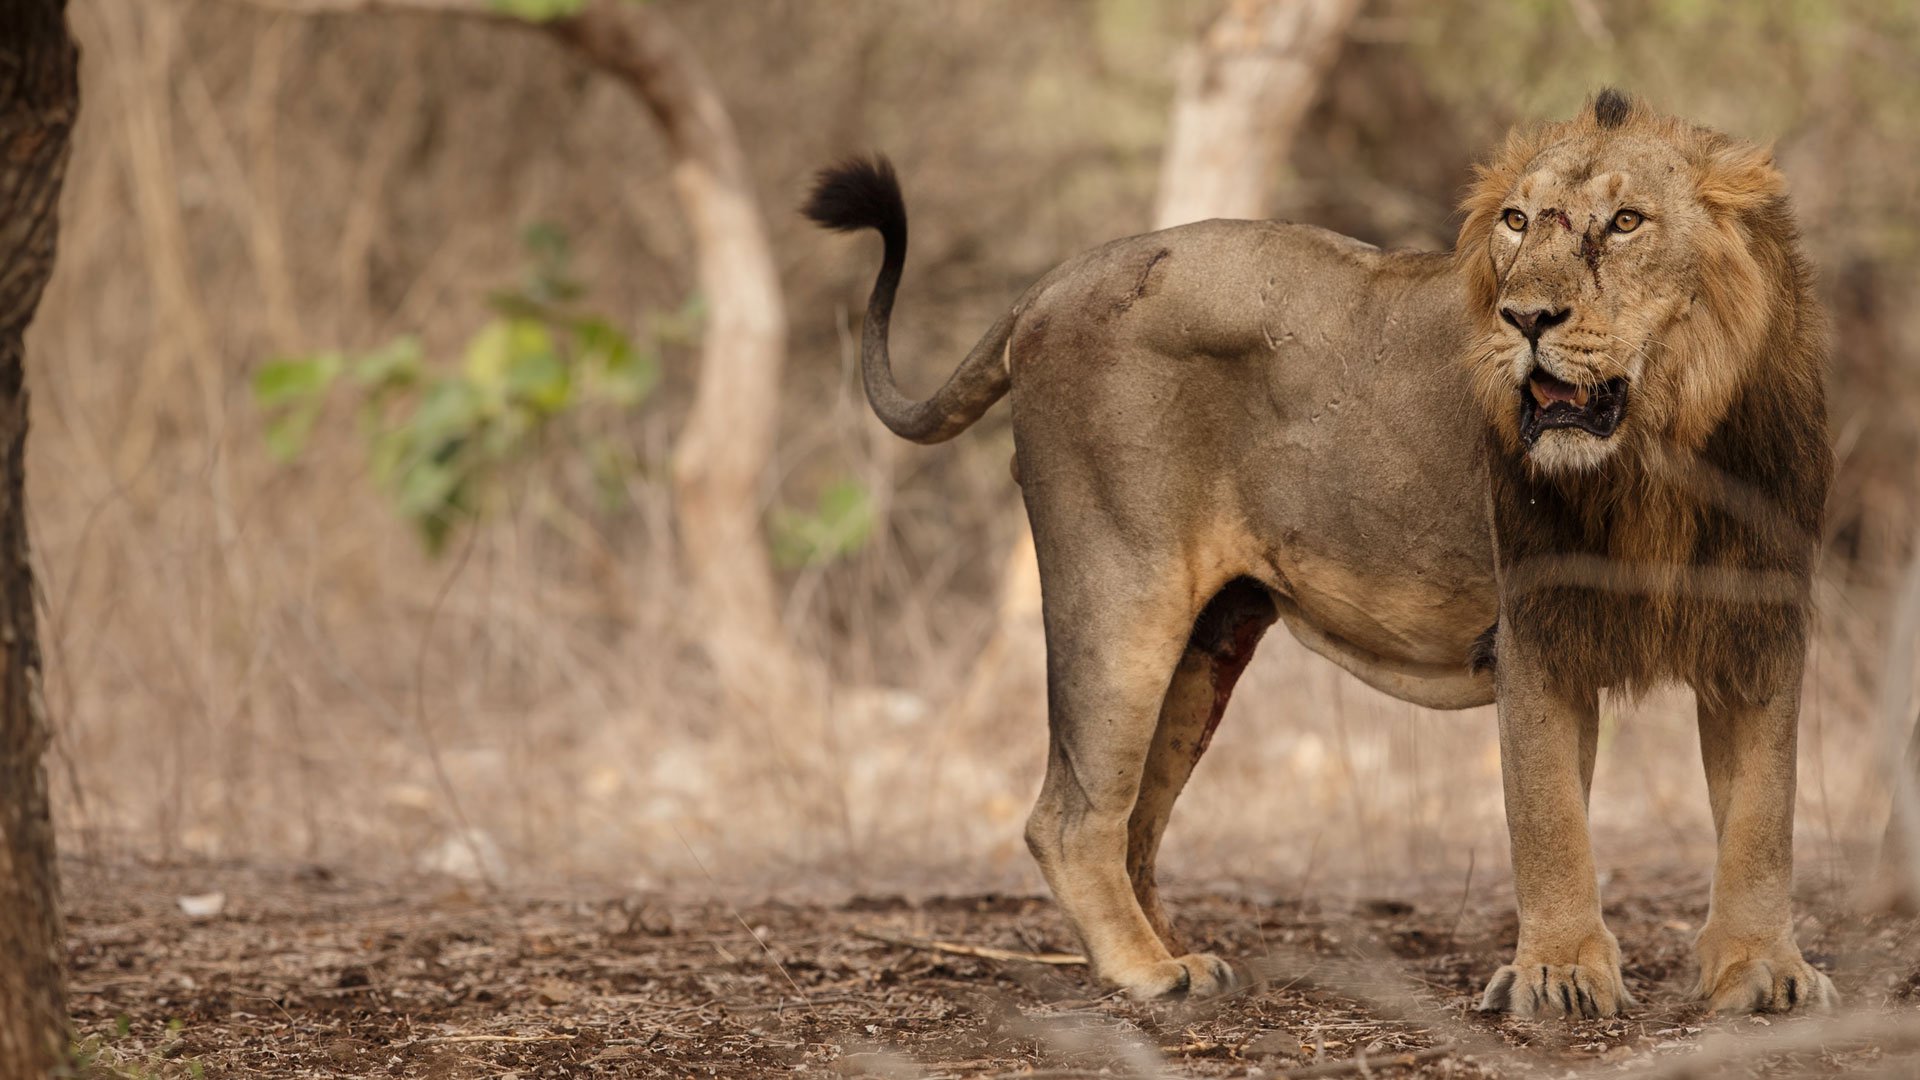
[[1591, 248], [1140, 287]]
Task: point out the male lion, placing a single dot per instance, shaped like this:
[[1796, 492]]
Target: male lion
[[1598, 424]]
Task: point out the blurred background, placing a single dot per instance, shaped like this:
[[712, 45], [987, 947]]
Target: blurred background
[[391, 458]]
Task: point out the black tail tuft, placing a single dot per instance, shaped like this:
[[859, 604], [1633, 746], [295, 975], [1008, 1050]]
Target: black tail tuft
[[859, 193]]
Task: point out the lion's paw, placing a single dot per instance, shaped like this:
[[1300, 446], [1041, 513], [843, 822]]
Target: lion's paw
[[1775, 983], [1537, 991], [1194, 975]]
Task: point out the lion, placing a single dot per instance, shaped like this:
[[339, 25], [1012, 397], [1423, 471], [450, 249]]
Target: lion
[[1584, 451]]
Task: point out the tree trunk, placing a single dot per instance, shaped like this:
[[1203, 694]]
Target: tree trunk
[[727, 444], [1898, 887], [1243, 91], [39, 99]]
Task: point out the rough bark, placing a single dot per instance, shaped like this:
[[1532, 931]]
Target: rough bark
[[726, 445], [39, 98], [1243, 90]]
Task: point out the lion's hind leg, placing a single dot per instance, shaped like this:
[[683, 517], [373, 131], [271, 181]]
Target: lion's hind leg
[[1116, 627], [1218, 649]]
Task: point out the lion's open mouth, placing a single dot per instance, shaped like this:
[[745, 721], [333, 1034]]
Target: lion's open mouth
[[1547, 402]]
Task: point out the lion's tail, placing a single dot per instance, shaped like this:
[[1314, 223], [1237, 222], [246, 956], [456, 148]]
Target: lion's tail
[[865, 194]]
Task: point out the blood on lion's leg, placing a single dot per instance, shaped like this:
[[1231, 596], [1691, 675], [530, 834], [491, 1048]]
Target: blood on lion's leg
[[1222, 642]]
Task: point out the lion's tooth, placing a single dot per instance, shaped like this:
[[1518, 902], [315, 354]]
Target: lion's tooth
[[1580, 397]]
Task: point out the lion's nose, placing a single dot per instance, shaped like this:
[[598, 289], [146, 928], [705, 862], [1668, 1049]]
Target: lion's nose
[[1532, 322]]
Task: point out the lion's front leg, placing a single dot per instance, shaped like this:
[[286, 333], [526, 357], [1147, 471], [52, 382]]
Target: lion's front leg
[[1567, 962], [1748, 959]]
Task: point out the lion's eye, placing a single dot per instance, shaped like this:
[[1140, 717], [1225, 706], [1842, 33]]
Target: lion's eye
[[1515, 220], [1626, 221]]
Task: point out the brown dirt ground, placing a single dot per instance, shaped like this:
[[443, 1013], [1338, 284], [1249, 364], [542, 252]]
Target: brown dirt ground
[[308, 973]]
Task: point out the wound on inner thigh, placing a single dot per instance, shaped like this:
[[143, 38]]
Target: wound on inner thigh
[[1227, 631]]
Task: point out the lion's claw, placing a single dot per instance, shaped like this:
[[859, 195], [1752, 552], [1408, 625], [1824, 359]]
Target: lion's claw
[[1194, 975], [1549, 990], [1773, 985]]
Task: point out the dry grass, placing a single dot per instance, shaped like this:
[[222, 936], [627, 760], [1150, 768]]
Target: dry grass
[[257, 661], [256, 664]]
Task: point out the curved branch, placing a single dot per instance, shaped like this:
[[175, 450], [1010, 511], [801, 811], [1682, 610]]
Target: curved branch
[[727, 441]]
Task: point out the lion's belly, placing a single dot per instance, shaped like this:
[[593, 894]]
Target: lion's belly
[[1418, 614]]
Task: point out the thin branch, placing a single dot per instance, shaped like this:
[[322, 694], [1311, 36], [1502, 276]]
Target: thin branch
[[1366, 1063], [440, 1040], [982, 952]]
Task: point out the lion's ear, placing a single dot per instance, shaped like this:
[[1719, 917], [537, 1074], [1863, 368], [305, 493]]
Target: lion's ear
[[1738, 178]]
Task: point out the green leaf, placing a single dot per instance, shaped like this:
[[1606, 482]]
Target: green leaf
[[442, 441], [840, 524], [846, 512], [510, 357], [394, 366], [488, 354], [536, 375], [537, 10], [618, 372], [426, 488], [291, 378], [287, 434], [387, 453], [450, 408]]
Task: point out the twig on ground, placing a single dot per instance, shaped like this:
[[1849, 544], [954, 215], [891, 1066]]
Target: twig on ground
[[439, 1040], [785, 1003], [737, 917], [983, 952], [1055, 1074], [1366, 1063]]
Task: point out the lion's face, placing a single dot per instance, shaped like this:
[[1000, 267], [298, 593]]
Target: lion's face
[[1606, 263], [1592, 253]]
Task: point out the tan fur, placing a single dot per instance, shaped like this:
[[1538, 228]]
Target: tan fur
[[1680, 547], [1232, 423]]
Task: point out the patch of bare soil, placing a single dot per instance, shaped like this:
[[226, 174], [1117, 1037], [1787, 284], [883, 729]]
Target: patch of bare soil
[[301, 972]]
